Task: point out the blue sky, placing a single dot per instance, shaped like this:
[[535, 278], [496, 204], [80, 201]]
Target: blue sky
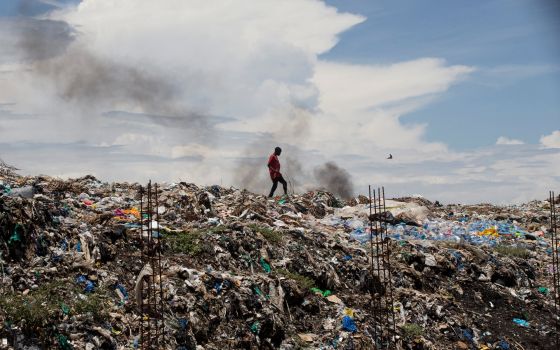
[[464, 94], [30, 7], [522, 102]]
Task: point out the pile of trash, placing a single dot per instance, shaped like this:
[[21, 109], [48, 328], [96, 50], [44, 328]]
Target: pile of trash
[[241, 271]]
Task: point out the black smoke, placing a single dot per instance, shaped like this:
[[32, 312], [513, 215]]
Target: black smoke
[[94, 83], [334, 179]]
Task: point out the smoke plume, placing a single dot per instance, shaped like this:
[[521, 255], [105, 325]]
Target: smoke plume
[[290, 126], [89, 82], [334, 179]]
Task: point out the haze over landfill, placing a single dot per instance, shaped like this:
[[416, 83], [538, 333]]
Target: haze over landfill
[[465, 96]]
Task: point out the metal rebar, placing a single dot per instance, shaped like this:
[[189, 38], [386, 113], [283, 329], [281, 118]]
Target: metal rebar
[[372, 294], [150, 300], [382, 291], [378, 291], [159, 247], [143, 263], [392, 310], [555, 271], [557, 294], [382, 265], [383, 226], [152, 326]]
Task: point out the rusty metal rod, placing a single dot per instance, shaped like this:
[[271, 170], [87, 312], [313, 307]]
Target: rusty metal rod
[[555, 272], [378, 290], [372, 294], [159, 248], [389, 269]]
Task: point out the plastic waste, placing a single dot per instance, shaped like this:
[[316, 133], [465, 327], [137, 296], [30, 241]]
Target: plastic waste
[[255, 327], [63, 342], [89, 287], [24, 192], [265, 265], [521, 322], [474, 231], [123, 290], [325, 293], [16, 237], [348, 312], [503, 345], [65, 308], [183, 322], [64, 245], [5, 188], [218, 287], [348, 324], [360, 236], [468, 335]]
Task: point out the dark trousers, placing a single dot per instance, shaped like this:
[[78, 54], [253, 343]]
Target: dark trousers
[[275, 182]]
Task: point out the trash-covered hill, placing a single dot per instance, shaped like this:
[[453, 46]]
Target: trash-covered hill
[[244, 272]]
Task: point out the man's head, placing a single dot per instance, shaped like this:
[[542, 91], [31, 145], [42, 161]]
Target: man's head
[[277, 151]]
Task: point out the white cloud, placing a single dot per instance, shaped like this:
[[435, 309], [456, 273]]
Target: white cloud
[[357, 88], [366, 102], [552, 140], [502, 140], [255, 62]]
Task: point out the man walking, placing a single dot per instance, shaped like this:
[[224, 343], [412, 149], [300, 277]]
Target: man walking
[[275, 175]]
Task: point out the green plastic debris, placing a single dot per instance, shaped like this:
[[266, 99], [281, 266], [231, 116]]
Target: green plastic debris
[[65, 308], [255, 327], [63, 342], [543, 290], [265, 266], [325, 293], [258, 291], [15, 236]]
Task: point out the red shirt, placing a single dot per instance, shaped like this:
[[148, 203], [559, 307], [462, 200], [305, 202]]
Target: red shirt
[[273, 166]]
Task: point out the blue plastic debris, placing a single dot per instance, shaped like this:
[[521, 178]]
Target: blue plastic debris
[[521, 322], [348, 324], [89, 287], [183, 323], [360, 236], [468, 229], [218, 287], [347, 257], [458, 259], [122, 289], [503, 345], [79, 247], [468, 335]]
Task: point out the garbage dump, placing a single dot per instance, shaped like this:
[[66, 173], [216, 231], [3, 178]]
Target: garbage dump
[[241, 271]]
